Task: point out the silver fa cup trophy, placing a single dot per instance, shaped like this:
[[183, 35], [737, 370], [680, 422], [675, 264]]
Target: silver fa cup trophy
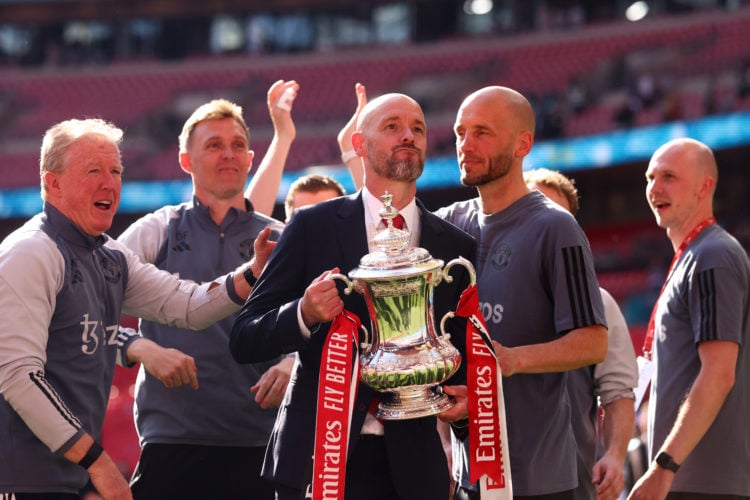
[[403, 358]]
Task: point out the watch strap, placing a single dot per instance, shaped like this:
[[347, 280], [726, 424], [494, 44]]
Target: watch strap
[[90, 457], [665, 461], [249, 276]]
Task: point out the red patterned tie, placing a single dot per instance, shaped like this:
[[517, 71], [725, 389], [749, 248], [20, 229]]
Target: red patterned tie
[[398, 221]]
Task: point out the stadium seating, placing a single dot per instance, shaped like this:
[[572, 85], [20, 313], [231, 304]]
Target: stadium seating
[[149, 99]]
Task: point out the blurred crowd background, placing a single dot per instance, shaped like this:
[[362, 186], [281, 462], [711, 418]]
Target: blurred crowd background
[[609, 81]]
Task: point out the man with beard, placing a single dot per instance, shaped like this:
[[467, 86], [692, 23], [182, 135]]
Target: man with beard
[[538, 291], [296, 302]]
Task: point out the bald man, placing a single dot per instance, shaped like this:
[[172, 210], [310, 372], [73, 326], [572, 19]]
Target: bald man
[[699, 440], [540, 297]]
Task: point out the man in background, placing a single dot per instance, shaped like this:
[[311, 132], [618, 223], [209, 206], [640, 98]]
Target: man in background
[[607, 385], [309, 190], [209, 441], [699, 440]]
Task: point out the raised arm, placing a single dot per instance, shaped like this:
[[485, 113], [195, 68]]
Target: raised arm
[[265, 183], [348, 156]]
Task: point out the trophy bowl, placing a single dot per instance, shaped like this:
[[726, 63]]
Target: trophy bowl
[[403, 357]]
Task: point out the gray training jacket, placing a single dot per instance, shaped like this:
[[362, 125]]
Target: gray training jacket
[[184, 240], [61, 296]]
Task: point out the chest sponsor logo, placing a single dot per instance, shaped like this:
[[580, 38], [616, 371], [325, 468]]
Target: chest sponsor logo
[[492, 313], [93, 333], [662, 333]]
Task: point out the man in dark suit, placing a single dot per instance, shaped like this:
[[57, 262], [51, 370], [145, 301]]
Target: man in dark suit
[[294, 303]]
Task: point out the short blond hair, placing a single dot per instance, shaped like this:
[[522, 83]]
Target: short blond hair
[[213, 110]]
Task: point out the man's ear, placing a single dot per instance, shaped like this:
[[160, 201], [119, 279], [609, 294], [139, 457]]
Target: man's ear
[[524, 142], [358, 142], [52, 183], [185, 163], [707, 186]]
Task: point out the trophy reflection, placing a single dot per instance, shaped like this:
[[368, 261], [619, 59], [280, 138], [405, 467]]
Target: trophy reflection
[[403, 357]]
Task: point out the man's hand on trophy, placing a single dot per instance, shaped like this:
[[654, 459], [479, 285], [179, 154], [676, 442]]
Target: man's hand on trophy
[[321, 302], [460, 410]]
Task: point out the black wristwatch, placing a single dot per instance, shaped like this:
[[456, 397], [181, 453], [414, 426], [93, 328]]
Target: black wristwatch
[[249, 276], [665, 461]]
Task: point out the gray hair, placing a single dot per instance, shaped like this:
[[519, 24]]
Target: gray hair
[[58, 139]]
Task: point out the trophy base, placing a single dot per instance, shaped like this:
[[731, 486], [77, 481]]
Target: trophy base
[[413, 402]]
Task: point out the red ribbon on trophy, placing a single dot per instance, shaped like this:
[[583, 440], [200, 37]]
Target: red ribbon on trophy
[[488, 434], [337, 390]]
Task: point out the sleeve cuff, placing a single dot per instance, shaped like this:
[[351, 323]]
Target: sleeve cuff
[[232, 292], [460, 428], [124, 338], [306, 332]]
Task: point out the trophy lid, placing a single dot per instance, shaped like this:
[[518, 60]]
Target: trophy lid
[[394, 253]]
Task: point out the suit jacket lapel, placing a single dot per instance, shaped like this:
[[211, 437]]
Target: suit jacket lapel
[[351, 231], [431, 232]]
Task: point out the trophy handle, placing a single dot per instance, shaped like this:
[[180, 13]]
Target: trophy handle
[[351, 285], [446, 317], [448, 279], [464, 262]]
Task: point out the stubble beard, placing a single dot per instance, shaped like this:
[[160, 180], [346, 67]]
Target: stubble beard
[[497, 167], [223, 191], [227, 188], [398, 170]]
